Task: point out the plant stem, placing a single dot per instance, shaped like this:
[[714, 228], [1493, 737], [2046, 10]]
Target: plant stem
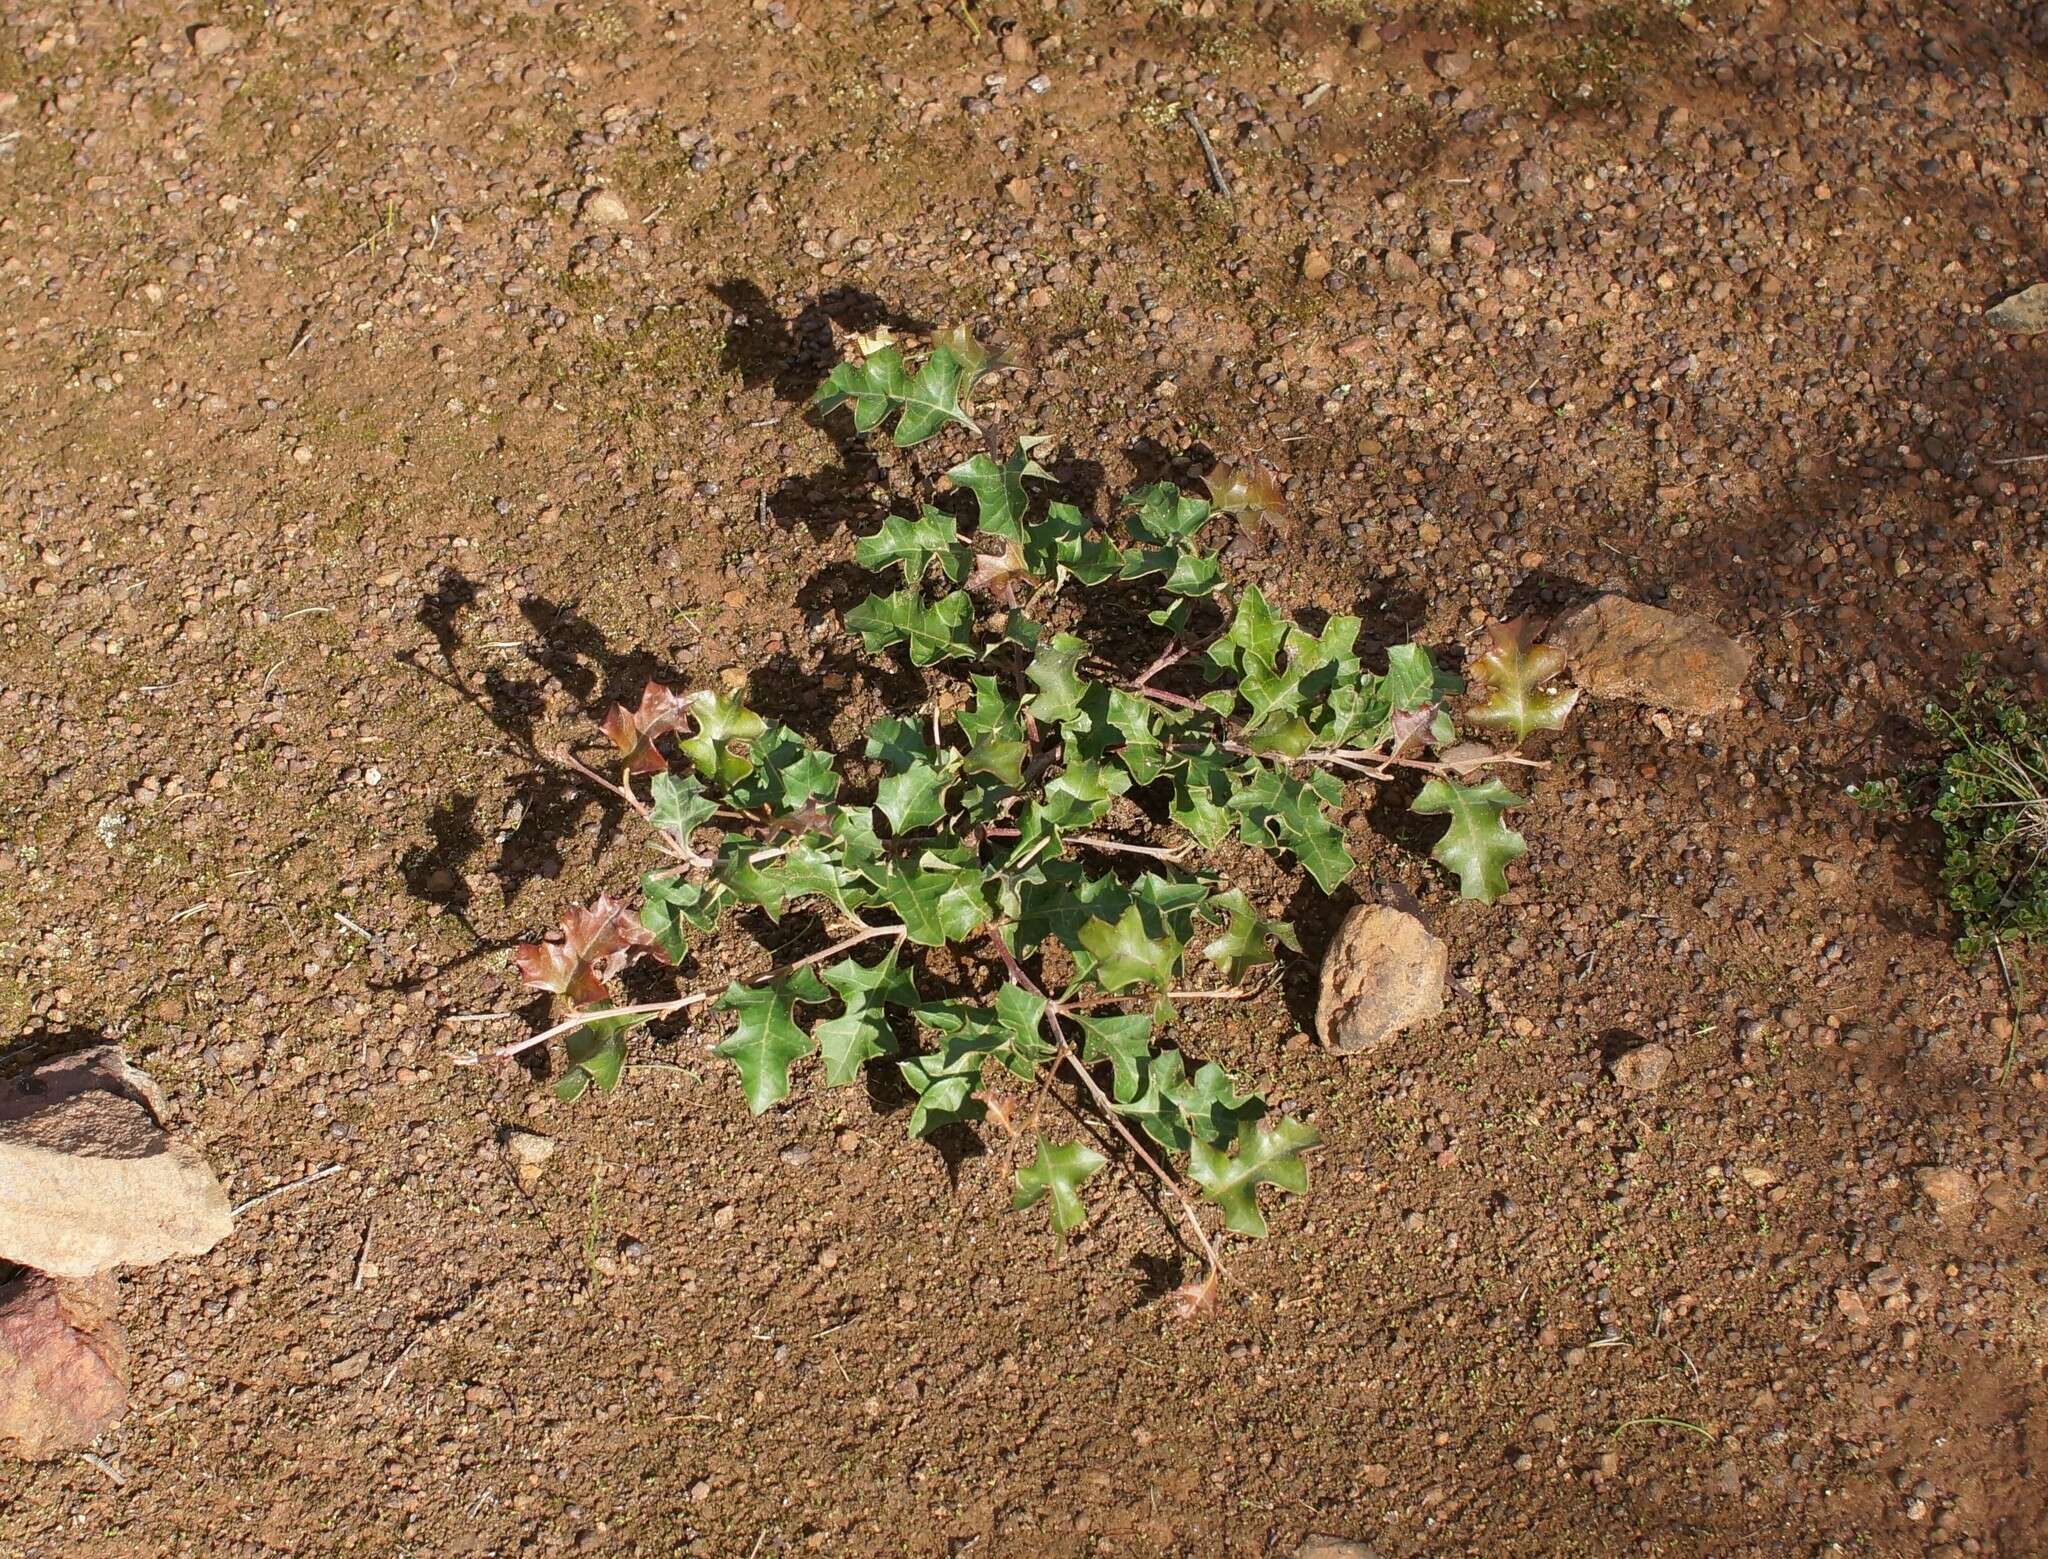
[[656, 1009], [1116, 1121], [1227, 993]]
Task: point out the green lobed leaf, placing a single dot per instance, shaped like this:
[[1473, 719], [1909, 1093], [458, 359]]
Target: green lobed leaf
[[914, 797], [767, 1041], [680, 805], [913, 545], [1000, 499], [945, 1088], [597, 1055], [1213, 1108], [668, 904], [1125, 955], [1156, 1104], [1059, 1172], [1266, 1155], [1054, 671], [724, 727], [861, 1033], [1274, 808], [1476, 845], [934, 631], [1247, 939], [1163, 514], [1122, 1041], [938, 900]]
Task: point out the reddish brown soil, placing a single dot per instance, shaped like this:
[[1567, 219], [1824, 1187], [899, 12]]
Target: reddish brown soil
[[345, 472]]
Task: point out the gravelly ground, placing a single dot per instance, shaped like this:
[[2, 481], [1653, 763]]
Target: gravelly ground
[[353, 460]]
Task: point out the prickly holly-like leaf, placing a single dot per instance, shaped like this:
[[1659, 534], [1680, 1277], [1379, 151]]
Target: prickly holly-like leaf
[[1252, 643], [1126, 956], [914, 797], [999, 494], [1021, 1017], [1187, 573], [668, 905], [871, 386], [912, 545], [1512, 671], [635, 731], [1476, 845], [1273, 808], [596, 940], [923, 401], [786, 777], [1201, 796], [767, 1041], [1054, 671], [1156, 1107], [1266, 1155], [1247, 939], [945, 1086], [1213, 1108], [680, 806], [1162, 514], [1124, 1041], [1059, 1172], [724, 728], [1079, 552], [1242, 487], [597, 1055], [1415, 680], [998, 576], [899, 743], [861, 1032], [937, 900], [934, 631]]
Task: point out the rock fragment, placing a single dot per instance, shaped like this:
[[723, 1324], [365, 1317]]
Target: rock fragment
[[2022, 314], [1622, 649], [1384, 972], [1951, 1190], [63, 1365], [1642, 1069], [211, 40], [601, 208], [89, 1180]]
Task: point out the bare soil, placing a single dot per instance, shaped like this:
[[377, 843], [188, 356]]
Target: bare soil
[[348, 471]]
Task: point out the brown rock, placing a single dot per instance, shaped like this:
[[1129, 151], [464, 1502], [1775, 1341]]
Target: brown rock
[[1017, 49], [1320, 1545], [601, 208], [1383, 973], [63, 1365], [1640, 1070], [1401, 266], [2022, 314], [1950, 1190], [1618, 648], [1451, 64], [1315, 265], [88, 1178], [211, 40]]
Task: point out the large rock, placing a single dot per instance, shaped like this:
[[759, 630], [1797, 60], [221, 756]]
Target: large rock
[[1618, 648], [89, 1180], [63, 1365], [1383, 973], [2022, 314]]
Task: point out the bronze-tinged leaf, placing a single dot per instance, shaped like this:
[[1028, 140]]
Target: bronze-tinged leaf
[[596, 940], [1512, 672], [996, 575], [635, 731], [1240, 487]]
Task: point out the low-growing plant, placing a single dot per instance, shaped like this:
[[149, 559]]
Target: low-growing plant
[[1988, 792], [1006, 909]]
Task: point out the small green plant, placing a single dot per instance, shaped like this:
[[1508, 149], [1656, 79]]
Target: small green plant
[[1000, 846], [1990, 798]]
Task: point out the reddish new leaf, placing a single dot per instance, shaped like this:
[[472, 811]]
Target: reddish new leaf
[[595, 943], [1512, 672], [1236, 487], [635, 731]]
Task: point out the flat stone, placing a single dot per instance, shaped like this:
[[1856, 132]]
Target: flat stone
[[89, 1180], [2022, 314], [1622, 649], [1320, 1545], [63, 1365], [601, 208], [211, 40], [1950, 1190], [1642, 1069], [1383, 973]]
